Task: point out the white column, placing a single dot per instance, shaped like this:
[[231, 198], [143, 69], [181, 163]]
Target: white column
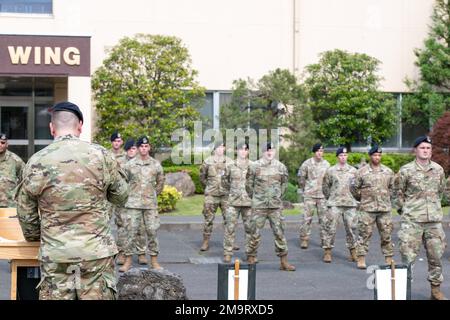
[[79, 92]]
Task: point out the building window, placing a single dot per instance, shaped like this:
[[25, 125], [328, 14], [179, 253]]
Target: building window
[[27, 6]]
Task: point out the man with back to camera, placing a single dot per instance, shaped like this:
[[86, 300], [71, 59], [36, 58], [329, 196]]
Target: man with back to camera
[[340, 202], [63, 203], [373, 186], [266, 184], [420, 185], [146, 179], [122, 234], [11, 166], [310, 178]]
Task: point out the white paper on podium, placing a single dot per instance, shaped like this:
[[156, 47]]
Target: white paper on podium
[[243, 284], [384, 285]]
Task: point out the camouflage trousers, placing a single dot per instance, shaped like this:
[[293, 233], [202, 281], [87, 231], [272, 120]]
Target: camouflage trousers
[[310, 206], [432, 235], [330, 222], [121, 219], [86, 280], [231, 216], [276, 220], [209, 212], [366, 221], [135, 219]]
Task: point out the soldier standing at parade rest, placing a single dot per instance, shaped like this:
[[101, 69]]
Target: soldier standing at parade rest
[[122, 235], [116, 144], [420, 185], [239, 203], [340, 202], [212, 177], [146, 179], [63, 203], [11, 167], [310, 178], [266, 184], [373, 186]]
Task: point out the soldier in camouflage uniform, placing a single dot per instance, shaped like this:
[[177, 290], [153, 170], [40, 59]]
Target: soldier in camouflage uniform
[[373, 186], [146, 178], [420, 185], [266, 183], [310, 177], [239, 203], [120, 156], [212, 173], [122, 235], [340, 202], [63, 203], [10, 173]]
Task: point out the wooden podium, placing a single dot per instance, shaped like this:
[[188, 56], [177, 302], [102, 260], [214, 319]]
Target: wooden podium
[[14, 247]]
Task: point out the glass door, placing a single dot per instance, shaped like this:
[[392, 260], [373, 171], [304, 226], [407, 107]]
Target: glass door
[[15, 122]]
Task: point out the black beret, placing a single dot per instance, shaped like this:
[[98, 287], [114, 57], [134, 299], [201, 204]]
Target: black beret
[[218, 144], [269, 146], [142, 140], [242, 145], [3, 136], [116, 135], [421, 139], [341, 150], [316, 147], [67, 106], [130, 143], [375, 148]]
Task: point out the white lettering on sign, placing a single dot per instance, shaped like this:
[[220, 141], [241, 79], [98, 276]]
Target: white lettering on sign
[[21, 55]]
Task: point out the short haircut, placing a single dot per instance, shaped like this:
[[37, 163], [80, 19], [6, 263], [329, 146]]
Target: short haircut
[[64, 120]]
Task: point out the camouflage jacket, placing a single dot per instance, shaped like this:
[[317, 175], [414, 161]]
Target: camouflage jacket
[[419, 191], [310, 178], [373, 188], [236, 174], [121, 157], [266, 183], [146, 179], [11, 167], [63, 200], [212, 173], [336, 186]]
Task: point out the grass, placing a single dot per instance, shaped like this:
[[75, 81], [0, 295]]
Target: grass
[[193, 206]]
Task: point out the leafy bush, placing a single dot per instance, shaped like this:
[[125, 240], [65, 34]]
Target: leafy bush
[[291, 193], [194, 173], [168, 198], [392, 160]]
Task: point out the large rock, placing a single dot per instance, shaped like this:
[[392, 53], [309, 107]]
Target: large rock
[[182, 181], [147, 284]]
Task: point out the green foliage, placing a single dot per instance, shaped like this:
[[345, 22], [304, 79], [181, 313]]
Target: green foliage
[[392, 160], [194, 173], [291, 194], [274, 101], [292, 158], [146, 86], [168, 198], [345, 101], [431, 98]]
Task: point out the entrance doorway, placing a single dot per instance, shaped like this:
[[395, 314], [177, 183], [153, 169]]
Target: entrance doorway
[[23, 111]]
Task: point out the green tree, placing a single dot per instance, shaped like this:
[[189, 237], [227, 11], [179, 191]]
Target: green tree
[[430, 97], [146, 86], [276, 101], [345, 101]]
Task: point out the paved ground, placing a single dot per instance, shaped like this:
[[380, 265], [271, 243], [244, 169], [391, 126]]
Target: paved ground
[[180, 238]]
